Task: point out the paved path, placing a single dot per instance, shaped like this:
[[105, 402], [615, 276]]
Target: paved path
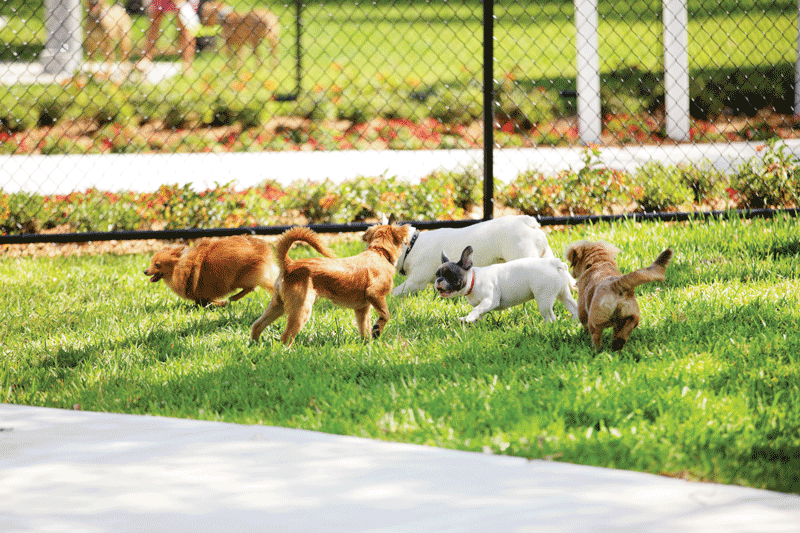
[[62, 174], [96, 472]]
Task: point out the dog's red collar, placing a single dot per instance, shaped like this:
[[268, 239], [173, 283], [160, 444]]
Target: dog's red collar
[[471, 285]]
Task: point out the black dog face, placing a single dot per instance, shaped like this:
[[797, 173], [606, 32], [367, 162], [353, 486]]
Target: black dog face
[[451, 277]]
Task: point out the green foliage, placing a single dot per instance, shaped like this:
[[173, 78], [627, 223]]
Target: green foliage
[[706, 182], [592, 189], [457, 105], [18, 112], [770, 181], [525, 108], [534, 193], [659, 187]]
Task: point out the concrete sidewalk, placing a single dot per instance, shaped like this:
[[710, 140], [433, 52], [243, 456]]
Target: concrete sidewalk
[[21, 73], [62, 174], [96, 472]]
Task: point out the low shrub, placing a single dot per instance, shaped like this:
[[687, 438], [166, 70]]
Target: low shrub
[[770, 181], [442, 195], [593, 189], [534, 193], [706, 182], [659, 187]]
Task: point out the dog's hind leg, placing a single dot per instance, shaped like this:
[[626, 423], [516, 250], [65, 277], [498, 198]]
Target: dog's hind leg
[[569, 302], [622, 330], [597, 336], [271, 314], [383, 316], [362, 320], [298, 308], [546, 309], [241, 293]]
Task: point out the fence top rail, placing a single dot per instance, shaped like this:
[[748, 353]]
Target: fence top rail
[[196, 233]]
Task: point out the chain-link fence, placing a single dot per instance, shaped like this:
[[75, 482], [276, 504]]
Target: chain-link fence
[[168, 115]]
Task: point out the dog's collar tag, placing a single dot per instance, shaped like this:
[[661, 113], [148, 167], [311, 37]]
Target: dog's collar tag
[[408, 249], [471, 285]]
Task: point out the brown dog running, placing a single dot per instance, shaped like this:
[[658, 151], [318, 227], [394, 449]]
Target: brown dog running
[[238, 29], [358, 282], [108, 29], [215, 268], [605, 297]]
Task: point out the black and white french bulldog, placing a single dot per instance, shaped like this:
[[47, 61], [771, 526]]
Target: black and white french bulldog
[[505, 285], [493, 241]]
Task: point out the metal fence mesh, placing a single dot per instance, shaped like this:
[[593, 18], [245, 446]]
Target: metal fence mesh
[[370, 108]]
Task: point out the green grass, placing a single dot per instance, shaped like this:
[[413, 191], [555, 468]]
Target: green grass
[[707, 388], [441, 42]]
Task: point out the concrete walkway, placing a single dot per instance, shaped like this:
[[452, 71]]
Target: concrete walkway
[[19, 73], [62, 174], [95, 472]]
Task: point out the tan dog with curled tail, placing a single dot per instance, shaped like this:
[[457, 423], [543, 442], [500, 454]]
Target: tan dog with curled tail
[[359, 282], [606, 297]]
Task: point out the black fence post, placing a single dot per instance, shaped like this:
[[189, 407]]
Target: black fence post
[[488, 109]]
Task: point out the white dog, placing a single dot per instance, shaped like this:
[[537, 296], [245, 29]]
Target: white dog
[[494, 241], [505, 285]]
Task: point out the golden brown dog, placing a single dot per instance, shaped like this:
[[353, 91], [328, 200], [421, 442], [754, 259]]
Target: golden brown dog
[[605, 296], [239, 29], [214, 268], [358, 282], [108, 30]]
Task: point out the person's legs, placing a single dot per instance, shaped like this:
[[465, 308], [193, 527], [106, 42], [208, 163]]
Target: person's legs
[[153, 31], [187, 44]]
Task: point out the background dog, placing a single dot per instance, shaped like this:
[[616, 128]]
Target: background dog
[[213, 269], [239, 29], [606, 298], [358, 282], [108, 30], [493, 241], [505, 285]]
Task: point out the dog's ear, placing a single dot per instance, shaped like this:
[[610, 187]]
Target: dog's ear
[[466, 258], [409, 232], [445, 259], [391, 220], [368, 234], [572, 255]]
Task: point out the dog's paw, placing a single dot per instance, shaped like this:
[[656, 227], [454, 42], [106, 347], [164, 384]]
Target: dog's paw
[[376, 331], [617, 344], [467, 319]]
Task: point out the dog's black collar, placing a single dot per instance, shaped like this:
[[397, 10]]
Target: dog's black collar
[[408, 249]]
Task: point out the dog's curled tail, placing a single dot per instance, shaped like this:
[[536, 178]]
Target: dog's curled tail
[[289, 237], [655, 272]]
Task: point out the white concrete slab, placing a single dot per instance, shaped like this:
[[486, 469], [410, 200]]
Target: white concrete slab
[[13, 73], [97, 472], [62, 174]]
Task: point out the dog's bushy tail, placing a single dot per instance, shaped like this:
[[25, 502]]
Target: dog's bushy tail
[[289, 237], [655, 272]]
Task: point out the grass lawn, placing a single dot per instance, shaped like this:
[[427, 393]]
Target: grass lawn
[[433, 42], [707, 388]]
